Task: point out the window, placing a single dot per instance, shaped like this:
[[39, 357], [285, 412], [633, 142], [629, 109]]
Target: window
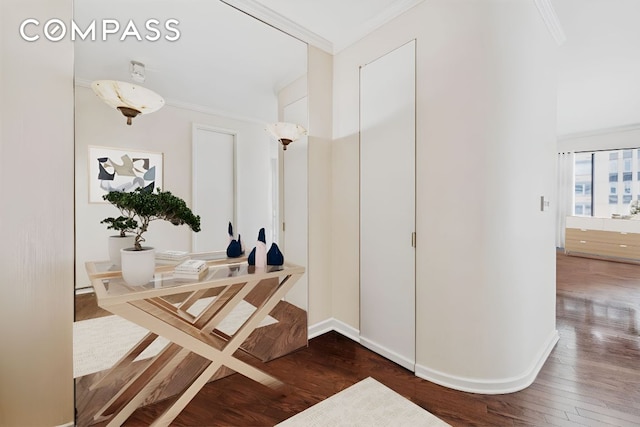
[[606, 182], [583, 167], [613, 162], [583, 188], [583, 183], [582, 209]]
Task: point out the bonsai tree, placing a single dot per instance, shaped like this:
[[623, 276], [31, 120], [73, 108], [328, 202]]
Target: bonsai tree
[[140, 207], [122, 224]]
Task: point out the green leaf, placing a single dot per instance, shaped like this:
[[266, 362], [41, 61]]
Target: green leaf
[[140, 207]]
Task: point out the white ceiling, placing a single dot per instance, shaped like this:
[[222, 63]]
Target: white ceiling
[[338, 21], [223, 61], [331, 25], [599, 65], [227, 61]]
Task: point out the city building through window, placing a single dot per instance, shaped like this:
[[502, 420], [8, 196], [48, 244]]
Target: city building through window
[[606, 182]]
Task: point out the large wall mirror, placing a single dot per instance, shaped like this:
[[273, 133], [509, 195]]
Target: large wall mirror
[[223, 79], [223, 75]]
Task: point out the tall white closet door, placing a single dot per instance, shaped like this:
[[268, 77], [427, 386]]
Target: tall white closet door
[[387, 205]]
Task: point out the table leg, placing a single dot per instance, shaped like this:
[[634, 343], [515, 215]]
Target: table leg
[[140, 388], [124, 361], [172, 411]]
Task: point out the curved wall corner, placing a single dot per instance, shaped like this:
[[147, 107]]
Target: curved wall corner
[[485, 292], [493, 386]]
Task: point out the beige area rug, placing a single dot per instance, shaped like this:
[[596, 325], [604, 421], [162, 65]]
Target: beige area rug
[[367, 403], [99, 343]]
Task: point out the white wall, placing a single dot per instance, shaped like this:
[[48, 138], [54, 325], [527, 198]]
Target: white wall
[[319, 80], [294, 241], [486, 106], [36, 219], [291, 93], [295, 194], [168, 131]]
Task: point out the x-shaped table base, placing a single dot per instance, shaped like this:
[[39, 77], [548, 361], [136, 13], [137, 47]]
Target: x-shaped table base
[[188, 333]]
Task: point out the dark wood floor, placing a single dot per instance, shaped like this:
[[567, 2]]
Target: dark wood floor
[[591, 378]]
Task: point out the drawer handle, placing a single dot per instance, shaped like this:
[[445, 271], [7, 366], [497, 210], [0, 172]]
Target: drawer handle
[[583, 241], [583, 229], [623, 246]]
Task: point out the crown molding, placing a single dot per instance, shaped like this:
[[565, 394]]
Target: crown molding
[[551, 20], [274, 19], [603, 131], [398, 8], [193, 107]]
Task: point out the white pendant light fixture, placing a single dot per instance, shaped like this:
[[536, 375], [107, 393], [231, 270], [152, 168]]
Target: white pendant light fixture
[[286, 133], [130, 99]]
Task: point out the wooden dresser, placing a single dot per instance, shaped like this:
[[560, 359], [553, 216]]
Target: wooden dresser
[[615, 239]]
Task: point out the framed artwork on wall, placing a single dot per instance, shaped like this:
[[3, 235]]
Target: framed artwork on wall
[[122, 169]]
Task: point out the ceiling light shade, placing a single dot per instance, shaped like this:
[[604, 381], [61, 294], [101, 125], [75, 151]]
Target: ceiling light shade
[[286, 133], [128, 98]]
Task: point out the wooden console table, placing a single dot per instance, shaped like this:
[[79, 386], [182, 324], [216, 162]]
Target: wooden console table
[[230, 281]]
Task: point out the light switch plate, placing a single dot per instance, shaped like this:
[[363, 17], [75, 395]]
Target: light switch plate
[[544, 203]]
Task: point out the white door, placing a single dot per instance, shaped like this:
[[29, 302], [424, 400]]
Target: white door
[[213, 186], [387, 205]]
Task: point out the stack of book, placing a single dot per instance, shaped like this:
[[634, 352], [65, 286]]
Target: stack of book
[[193, 269], [172, 256]]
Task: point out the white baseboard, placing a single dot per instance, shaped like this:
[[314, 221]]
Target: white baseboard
[[471, 385], [82, 291], [498, 386], [332, 324], [391, 355]]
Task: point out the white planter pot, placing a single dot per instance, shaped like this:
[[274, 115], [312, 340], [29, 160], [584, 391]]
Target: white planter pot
[[138, 267], [115, 244]]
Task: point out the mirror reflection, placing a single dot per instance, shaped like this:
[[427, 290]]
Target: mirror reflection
[[223, 76]]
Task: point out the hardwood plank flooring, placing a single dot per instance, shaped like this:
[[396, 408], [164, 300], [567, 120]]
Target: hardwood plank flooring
[[591, 378]]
